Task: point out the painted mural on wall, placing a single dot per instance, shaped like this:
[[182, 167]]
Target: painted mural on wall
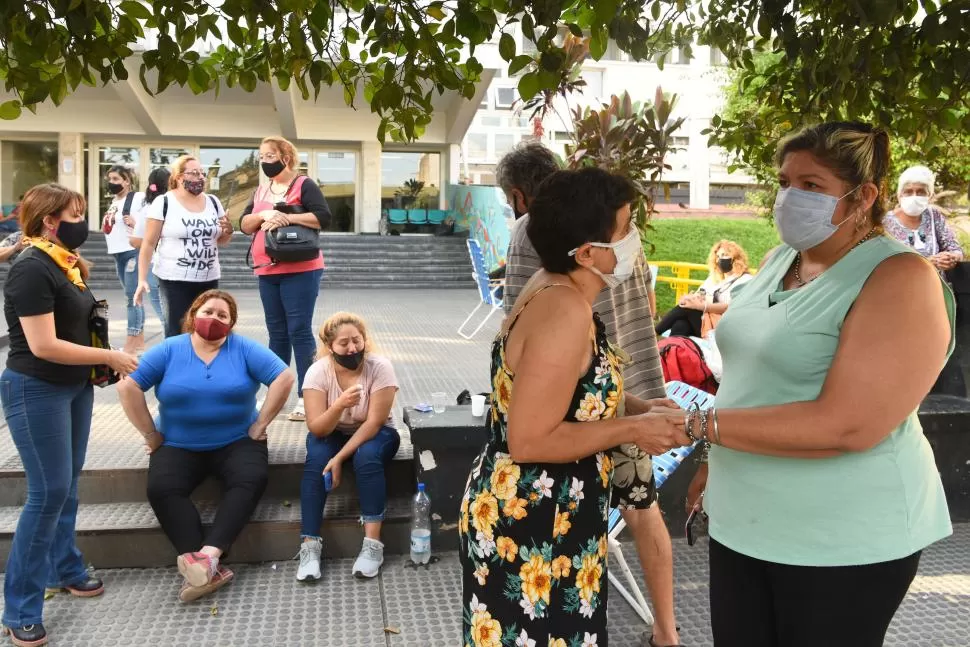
[[483, 212]]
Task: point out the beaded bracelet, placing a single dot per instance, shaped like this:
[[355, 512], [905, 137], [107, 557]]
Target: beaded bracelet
[[693, 412], [705, 421]]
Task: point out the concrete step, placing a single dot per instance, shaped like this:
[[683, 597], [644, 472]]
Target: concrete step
[[127, 535], [124, 485]]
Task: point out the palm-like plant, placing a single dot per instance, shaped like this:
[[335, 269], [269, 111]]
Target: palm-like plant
[[630, 139]]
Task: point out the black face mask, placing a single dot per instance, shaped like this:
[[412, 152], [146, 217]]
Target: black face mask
[[72, 234], [115, 189], [725, 265], [350, 362], [272, 169]]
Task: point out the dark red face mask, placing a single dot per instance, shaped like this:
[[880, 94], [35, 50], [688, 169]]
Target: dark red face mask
[[211, 329]]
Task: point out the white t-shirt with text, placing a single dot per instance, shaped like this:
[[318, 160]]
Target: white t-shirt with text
[[187, 250], [117, 240]]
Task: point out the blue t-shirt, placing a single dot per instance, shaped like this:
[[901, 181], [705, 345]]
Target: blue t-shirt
[[206, 407]]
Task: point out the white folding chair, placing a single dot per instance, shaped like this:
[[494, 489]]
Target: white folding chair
[[487, 289], [663, 466]]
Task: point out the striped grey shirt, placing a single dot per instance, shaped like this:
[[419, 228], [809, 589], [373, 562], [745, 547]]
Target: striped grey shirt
[[625, 310]]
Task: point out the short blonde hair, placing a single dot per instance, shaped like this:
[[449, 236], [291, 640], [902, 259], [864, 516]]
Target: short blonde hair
[[737, 253], [328, 331], [178, 168], [284, 148]]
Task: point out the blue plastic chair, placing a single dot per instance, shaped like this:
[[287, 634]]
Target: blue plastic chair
[[397, 216], [487, 289], [437, 216], [418, 216], [663, 466]]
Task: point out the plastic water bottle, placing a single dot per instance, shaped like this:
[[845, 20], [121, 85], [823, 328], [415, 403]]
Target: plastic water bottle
[[421, 527]]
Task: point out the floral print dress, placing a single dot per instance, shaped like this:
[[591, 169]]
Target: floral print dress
[[533, 536]]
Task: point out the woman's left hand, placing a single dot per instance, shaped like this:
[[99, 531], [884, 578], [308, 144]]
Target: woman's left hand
[[665, 403], [258, 431], [225, 226], [334, 467], [277, 221]]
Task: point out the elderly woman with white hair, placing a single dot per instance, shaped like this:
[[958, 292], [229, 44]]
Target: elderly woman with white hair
[[915, 223]]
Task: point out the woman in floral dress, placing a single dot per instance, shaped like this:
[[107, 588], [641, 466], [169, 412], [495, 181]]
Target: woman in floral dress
[[533, 524]]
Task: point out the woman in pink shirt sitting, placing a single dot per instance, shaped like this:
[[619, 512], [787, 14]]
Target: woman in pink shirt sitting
[[349, 392]]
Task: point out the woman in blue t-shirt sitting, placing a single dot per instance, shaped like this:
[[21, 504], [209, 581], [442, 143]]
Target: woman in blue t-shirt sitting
[[206, 382]]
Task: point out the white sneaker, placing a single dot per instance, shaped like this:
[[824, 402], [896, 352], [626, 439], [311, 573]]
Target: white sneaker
[[371, 557], [310, 551], [299, 413]]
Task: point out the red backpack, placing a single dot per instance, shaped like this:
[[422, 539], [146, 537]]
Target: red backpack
[[683, 361]]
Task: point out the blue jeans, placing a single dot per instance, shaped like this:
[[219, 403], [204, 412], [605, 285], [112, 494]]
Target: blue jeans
[[50, 424], [370, 461], [288, 302], [126, 265]]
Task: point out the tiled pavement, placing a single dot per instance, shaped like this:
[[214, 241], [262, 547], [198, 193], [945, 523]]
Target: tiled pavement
[[403, 607]]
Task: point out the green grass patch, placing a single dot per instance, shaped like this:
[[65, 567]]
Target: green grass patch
[[690, 241]]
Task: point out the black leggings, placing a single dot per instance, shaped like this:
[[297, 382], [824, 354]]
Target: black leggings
[[174, 473], [762, 604], [681, 322], [177, 298]]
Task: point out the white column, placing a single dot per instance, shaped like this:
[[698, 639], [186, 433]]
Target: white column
[[700, 164], [70, 169], [369, 218]]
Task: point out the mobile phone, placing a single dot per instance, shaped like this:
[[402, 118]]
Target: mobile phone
[[328, 481], [694, 528]]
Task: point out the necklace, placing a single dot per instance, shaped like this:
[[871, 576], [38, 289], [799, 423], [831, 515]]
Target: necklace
[[798, 262]]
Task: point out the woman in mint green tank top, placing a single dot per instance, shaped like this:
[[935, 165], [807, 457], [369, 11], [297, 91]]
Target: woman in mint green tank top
[[822, 489]]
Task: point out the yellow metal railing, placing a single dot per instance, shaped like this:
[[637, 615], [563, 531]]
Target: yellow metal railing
[[679, 276]]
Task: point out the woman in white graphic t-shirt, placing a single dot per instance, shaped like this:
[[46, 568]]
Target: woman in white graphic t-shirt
[[117, 225], [187, 226]]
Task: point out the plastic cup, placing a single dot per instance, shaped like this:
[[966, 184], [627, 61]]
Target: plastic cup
[[439, 401], [478, 405]]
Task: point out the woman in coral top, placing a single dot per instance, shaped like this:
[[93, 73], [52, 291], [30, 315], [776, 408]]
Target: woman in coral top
[[288, 290]]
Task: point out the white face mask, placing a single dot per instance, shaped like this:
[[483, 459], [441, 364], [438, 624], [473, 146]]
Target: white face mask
[[626, 251], [804, 218], [914, 205]]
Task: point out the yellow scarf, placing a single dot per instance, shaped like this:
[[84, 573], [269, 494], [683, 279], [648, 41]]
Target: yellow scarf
[[66, 260]]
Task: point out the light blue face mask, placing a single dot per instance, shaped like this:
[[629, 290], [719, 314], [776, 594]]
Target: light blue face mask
[[804, 218]]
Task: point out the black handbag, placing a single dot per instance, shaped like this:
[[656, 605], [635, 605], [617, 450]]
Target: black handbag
[[101, 375]]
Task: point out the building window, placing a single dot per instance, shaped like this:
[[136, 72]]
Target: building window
[[491, 121], [25, 165], [337, 177], [504, 143], [477, 145], [505, 97], [717, 57], [233, 175], [410, 180], [164, 156]]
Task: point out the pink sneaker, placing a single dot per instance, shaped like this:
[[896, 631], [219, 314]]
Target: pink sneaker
[[189, 593], [198, 569]]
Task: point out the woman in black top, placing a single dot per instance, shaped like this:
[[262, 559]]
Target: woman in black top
[[47, 400]]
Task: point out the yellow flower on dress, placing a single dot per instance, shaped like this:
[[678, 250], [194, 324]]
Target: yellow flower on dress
[[561, 566], [505, 479], [603, 547], [588, 577], [484, 512], [486, 631], [507, 549], [591, 408], [481, 574], [556, 642], [562, 525], [463, 516], [533, 496], [612, 399], [515, 508], [536, 577], [502, 389], [605, 465]]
